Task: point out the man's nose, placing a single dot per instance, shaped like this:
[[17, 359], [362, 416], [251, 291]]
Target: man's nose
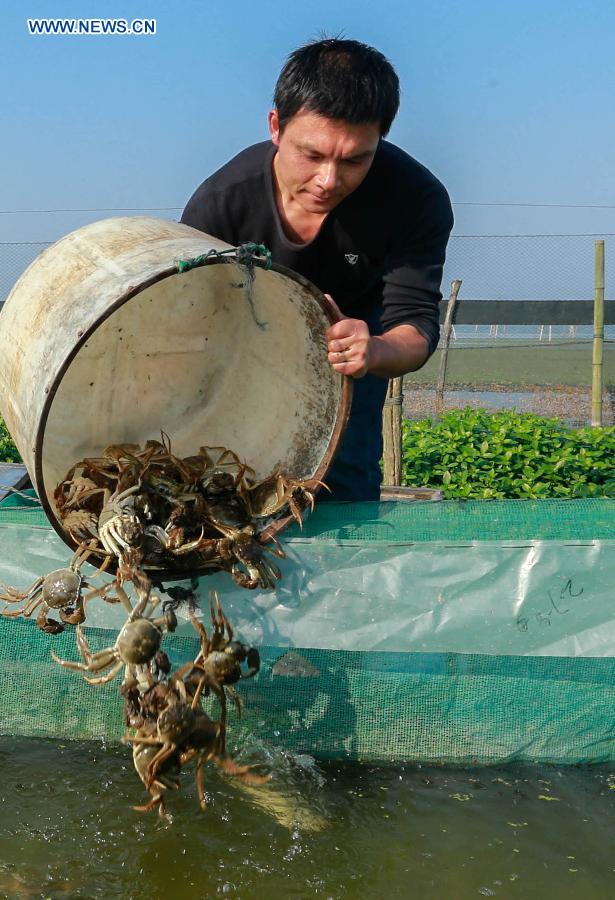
[[328, 176]]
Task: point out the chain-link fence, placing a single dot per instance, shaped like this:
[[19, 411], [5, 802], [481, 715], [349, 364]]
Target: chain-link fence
[[528, 266], [534, 366], [15, 257], [538, 366]]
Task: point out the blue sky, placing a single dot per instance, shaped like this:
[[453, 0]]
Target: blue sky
[[506, 102]]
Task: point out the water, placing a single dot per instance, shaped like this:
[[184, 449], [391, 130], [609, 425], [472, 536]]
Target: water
[[471, 335], [331, 831]]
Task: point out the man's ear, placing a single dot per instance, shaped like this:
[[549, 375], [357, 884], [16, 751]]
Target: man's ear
[[274, 126]]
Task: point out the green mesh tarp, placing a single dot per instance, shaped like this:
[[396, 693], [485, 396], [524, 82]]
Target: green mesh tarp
[[449, 520], [381, 707], [461, 520], [452, 632]]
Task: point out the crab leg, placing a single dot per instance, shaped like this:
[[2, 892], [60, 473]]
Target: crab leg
[[236, 697], [95, 665], [218, 619], [124, 598], [245, 773], [277, 549], [157, 800], [140, 607], [12, 613], [203, 758], [83, 646], [192, 546], [269, 569], [156, 531], [219, 691], [112, 541], [199, 691], [101, 592], [204, 637], [167, 750], [28, 607], [82, 554], [14, 596], [137, 739], [103, 679], [26, 610], [92, 662]]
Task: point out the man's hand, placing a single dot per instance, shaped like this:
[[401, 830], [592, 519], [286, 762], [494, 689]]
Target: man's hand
[[353, 351], [348, 343]]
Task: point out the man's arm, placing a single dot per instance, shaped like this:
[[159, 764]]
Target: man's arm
[[411, 297], [353, 351]]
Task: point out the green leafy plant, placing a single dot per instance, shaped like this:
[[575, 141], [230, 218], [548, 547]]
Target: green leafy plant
[[8, 450], [471, 453]]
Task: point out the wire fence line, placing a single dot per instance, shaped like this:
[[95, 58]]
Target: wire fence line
[[526, 267], [492, 267]]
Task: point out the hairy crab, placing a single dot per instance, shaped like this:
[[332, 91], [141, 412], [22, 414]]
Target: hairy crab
[[269, 497], [167, 776], [136, 646], [218, 666], [161, 511], [61, 590]]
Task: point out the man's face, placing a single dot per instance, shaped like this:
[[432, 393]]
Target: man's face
[[320, 161]]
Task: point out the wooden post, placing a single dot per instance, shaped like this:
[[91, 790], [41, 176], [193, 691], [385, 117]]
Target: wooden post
[[598, 335], [391, 432], [446, 340]]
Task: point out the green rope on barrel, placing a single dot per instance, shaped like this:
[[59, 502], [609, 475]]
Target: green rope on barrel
[[245, 254], [184, 265]]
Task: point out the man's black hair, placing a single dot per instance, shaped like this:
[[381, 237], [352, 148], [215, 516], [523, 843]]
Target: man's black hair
[[338, 79]]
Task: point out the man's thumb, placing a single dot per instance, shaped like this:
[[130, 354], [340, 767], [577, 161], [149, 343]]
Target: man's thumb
[[335, 312]]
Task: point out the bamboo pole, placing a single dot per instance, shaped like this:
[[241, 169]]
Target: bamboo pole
[[598, 334], [391, 432], [446, 340]]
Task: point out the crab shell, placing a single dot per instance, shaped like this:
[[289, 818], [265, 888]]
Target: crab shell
[[168, 777], [61, 588], [138, 641], [176, 722], [223, 667]]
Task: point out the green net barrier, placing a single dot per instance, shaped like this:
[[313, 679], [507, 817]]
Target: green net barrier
[[381, 707], [448, 520], [452, 520], [458, 633], [23, 508]]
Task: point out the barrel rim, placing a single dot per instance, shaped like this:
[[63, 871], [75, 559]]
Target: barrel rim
[[274, 527]]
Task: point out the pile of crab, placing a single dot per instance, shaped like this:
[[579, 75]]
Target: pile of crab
[[163, 709], [148, 511], [202, 512], [168, 727]]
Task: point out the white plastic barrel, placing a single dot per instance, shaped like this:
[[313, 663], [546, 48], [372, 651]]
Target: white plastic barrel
[[103, 340]]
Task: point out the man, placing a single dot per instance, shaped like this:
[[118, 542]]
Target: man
[[356, 215]]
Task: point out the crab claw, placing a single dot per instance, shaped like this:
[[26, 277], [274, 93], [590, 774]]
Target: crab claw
[[72, 616], [49, 626], [253, 658]]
